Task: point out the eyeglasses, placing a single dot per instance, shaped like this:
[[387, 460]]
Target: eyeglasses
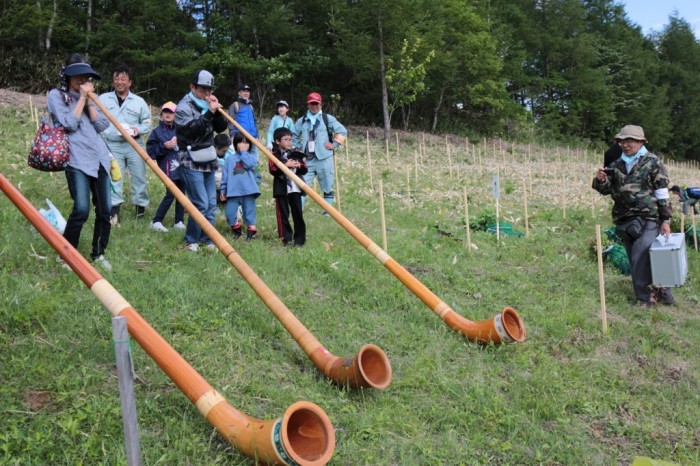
[[627, 141], [286, 139]]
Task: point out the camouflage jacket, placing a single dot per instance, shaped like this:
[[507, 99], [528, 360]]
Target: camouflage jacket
[[633, 192]]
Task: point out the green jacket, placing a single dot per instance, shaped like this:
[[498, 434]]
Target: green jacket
[[641, 193]]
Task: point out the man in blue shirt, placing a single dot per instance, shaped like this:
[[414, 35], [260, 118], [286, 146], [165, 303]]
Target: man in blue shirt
[[318, 135], [133, 114]]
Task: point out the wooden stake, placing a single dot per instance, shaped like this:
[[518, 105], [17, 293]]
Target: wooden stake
[[527, 222], [415, 163], [125, 377], [498, 223], [408, 186], [337, 184], [369, 168], [682, 223], [466, 218], [601, 279], [397, 144], [383, 217], [695, 231], [367, 144], [449, 160]]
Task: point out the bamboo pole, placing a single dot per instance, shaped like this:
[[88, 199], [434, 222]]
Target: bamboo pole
[[601, 279], [415, 164], [303, 434], [386, 146], [408, 186], [381, 212], [527, 220], [449, 158], [337, 182], [682, 223], [695, 231], [369, 368], [369, 168], [466, 219]]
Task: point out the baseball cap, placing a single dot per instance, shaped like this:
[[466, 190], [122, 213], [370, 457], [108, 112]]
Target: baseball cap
[[170, 106], [313, 97], [77, 69], [203, 78], [282, 102], [244, 87]]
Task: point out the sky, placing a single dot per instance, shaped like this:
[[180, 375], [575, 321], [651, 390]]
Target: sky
[[652, 15]]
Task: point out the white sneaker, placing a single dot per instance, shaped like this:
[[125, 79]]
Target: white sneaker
[[211, 246], [63, 264], [103, 262], [192, 247], [114, 220], [157, 226], [180, 226]]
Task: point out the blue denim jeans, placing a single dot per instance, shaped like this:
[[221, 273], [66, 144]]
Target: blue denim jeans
[[248, 204], [80, 187], [168, 201], [325, 171], [201, 189]]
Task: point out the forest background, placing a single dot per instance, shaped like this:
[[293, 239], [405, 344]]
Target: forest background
[[527, 70]]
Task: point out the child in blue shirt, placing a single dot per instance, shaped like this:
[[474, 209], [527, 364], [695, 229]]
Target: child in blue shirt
[[239, 188]]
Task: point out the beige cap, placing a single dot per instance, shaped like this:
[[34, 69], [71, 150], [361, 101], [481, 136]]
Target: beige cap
[[631, 132]]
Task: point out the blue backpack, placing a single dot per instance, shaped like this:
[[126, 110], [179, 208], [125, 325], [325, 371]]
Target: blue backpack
[[693, 193]]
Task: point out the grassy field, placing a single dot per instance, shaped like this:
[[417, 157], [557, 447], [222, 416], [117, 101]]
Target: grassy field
[[568, 395]]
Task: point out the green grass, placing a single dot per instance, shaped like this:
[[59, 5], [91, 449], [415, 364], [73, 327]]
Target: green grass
[[568, 395]]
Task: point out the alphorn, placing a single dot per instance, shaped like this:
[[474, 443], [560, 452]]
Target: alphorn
[[369, 368], [303, 435], [506, 327]]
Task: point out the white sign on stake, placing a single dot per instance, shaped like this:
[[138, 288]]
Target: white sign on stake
[[496, 190]]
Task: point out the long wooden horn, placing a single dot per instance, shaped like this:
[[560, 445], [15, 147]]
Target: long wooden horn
[[303, 435], [506, 327], [369, 368]]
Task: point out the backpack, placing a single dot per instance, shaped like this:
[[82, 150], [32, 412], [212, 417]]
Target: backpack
[[693, 193]]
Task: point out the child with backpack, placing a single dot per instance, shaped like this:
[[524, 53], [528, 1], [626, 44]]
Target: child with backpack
[[239, 188], [688, 197]]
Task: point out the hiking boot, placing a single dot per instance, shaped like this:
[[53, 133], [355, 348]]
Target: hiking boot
[[252, 233], [100, 260], [114, 216], [158, 226], [645, 304], [140, 210], [664, 296], [180, 226], [236, 230]]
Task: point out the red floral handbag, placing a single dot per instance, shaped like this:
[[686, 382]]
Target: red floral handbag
[[50, 151]]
